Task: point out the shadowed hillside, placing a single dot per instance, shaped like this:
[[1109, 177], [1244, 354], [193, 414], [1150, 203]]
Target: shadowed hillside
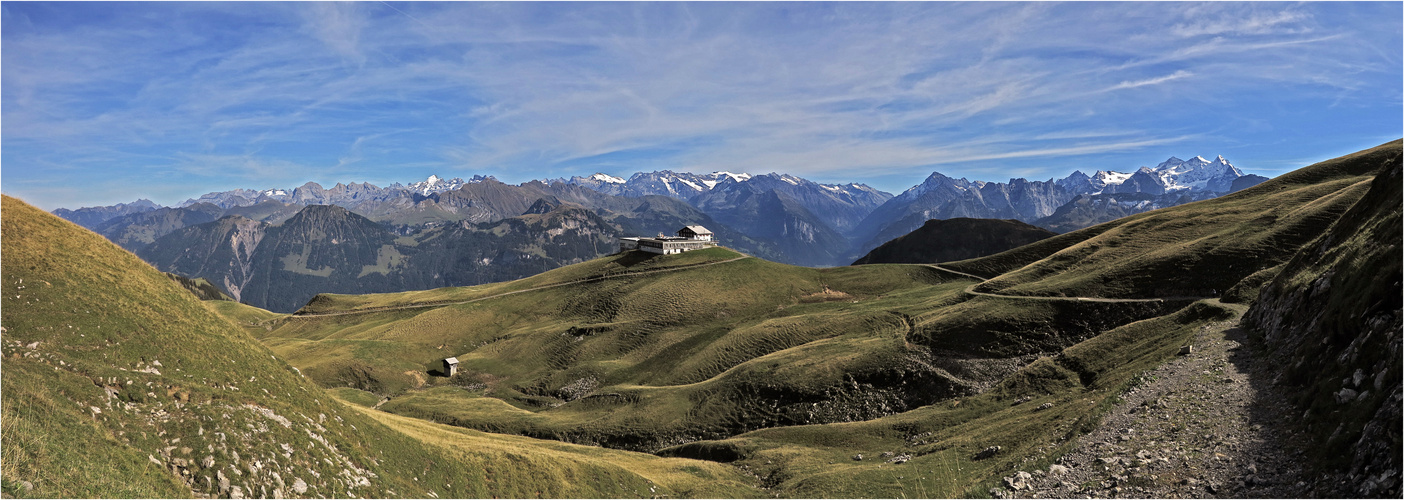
[[1332, 317], [955, 239]]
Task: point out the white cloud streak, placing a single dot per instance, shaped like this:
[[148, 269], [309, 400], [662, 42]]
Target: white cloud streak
[[1151, 81], [302, 90]]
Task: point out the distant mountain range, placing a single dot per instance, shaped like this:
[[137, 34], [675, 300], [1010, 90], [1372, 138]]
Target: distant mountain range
[[1173, 181], [421, 235]]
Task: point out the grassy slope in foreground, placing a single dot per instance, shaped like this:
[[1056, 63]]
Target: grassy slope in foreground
[[118, 383]]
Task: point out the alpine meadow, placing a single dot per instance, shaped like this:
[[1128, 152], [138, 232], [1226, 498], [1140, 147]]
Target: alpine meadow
[[187, 311]]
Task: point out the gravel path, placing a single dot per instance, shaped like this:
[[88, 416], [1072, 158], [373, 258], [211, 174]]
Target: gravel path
[[1206, 424]]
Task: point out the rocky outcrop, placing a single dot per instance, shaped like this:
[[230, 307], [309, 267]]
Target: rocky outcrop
[[1332, 318]]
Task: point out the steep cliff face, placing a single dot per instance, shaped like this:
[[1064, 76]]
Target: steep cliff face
[[221, 251], [1332, 319]]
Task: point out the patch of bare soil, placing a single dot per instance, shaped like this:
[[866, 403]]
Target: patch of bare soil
[[826, 295], [1206, 424]]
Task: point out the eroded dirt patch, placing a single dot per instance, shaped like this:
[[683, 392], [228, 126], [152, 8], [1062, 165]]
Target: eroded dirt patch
[[1206, 424]]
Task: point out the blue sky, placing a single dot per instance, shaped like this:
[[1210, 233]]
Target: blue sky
[[110, 102]]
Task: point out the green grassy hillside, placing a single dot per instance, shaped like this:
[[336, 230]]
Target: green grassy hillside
[[789, 372], [934, 451], [1200, 249], [639, 351], [120, 383]]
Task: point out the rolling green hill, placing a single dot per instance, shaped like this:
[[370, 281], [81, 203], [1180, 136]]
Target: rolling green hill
[[787, 372], [120, 383]]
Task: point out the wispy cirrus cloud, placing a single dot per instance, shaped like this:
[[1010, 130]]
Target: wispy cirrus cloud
[[1151, 81], [383, 92]]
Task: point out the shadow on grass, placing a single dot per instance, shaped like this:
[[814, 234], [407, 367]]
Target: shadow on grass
[[635, 257]]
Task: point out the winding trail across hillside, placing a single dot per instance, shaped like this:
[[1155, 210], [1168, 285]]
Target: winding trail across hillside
[[971, 290], [426, 305]]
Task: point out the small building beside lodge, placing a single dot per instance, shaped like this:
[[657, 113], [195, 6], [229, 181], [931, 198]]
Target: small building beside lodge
[[450, 366], [688, 238]]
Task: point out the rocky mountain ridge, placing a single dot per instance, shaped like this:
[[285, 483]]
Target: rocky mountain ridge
[[1174, 180], [778, 216]]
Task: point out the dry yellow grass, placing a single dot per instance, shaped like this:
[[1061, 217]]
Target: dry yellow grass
[[666, 476]]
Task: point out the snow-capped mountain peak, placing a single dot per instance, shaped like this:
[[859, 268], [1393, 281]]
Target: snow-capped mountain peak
[[607, 178], [1194, 174], [435, 184], [742, 177]]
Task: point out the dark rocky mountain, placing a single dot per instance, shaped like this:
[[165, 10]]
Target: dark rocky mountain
[[941, 197], [1246, 182], [137, 230], [784, 224], [91, 217], [221, 252], [1331, 319], [840, 207], [344, 195], [775, 216], [326, 248], [1086, 210], [323, 247], [955, 239], [680, 185], [548, 236]]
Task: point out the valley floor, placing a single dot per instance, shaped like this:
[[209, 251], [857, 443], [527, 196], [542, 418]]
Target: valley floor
[[1207, 424]]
